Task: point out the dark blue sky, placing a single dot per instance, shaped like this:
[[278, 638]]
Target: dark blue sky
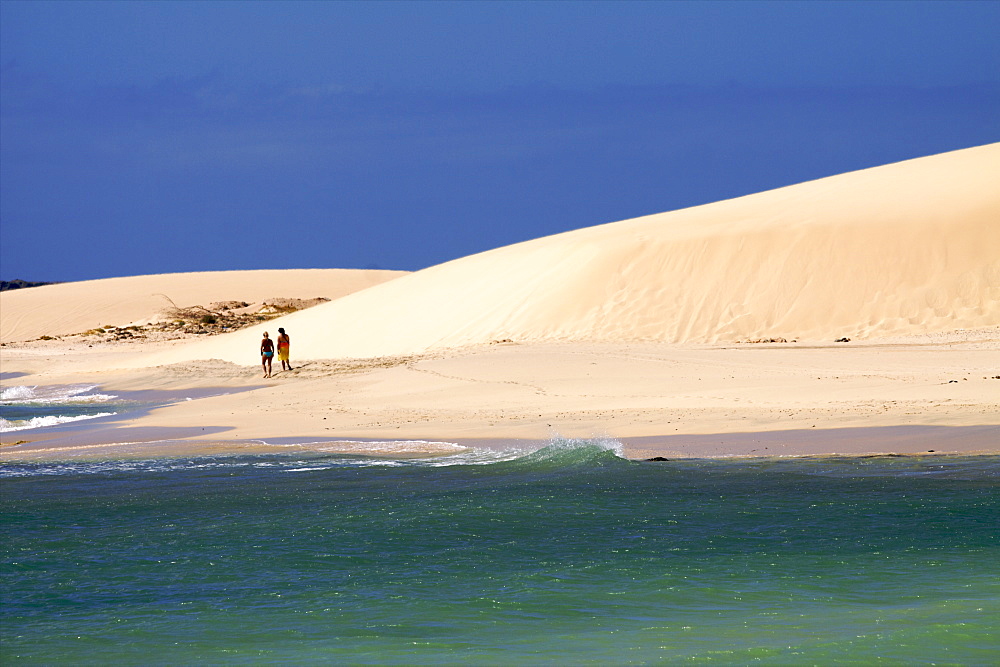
[[149, 137]]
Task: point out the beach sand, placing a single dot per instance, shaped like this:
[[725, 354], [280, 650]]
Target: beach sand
[[659, 400], [710, 331]]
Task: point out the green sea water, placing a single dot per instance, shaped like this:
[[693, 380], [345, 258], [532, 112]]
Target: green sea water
[[568, 555]]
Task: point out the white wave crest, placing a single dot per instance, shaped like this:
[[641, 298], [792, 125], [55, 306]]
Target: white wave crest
[[559, 443], [76, 393], [19, 393], [41, 422]]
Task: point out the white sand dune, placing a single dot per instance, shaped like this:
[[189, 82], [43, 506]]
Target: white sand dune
[[68, 308], [912, 247], [906, 256]]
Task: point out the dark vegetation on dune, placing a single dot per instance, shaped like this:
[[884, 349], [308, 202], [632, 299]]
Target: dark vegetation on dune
[[19, 284]]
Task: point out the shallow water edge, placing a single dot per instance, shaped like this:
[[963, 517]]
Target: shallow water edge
[[116, 442]]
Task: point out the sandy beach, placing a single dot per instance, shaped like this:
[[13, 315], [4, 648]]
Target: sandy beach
[[858, 314]]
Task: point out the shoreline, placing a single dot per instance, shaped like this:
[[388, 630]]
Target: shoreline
[[657, 400], [859, 442]]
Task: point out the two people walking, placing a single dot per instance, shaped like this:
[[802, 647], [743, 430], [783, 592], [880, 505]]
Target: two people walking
[[267, 352]]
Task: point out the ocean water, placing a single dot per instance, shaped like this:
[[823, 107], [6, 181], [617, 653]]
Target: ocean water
[[568, 555], [30, 407]]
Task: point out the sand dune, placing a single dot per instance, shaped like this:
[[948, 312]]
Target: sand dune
[[69, 308], [912, 247], [906, 256]]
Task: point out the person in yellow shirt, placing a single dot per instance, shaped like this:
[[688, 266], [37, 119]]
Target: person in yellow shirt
[[283, 344]]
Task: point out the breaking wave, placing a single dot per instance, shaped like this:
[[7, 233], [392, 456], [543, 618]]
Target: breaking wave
[[25, 407], [7, 425], [75, 393]]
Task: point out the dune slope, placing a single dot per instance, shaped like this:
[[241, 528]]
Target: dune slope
[[68, 308], [906, 248]]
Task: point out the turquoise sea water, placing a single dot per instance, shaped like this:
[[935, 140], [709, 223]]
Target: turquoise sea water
[[569, 555], [31, 407]]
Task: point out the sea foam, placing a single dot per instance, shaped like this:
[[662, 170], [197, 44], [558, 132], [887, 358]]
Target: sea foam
[[74, 393], [29, 407], [7, 425]]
